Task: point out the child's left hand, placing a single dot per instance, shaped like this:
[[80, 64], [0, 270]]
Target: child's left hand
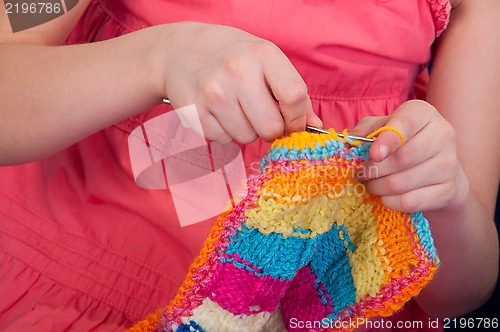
[[424, 173]]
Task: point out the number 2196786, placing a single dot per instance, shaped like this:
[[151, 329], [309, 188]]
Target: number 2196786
[[33, 8], [472, 323]]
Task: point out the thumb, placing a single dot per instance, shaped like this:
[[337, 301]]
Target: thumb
[[386, 143], [404, 123]]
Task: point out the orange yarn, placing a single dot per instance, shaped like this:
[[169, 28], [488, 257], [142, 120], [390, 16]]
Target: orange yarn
[[306, 241]]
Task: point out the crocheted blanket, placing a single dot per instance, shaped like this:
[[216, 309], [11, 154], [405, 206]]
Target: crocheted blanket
[[307, 243]]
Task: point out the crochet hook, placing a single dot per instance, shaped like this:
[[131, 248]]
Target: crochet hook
[[312, 129], [315, 130]]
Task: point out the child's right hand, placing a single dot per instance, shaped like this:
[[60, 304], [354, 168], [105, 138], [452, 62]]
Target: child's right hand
[[235, 79], [232, 77]]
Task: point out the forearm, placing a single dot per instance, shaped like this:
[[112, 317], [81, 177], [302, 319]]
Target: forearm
[[467, 246], [51, 97], [465, 77]]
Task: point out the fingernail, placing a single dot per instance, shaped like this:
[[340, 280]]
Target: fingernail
[[384, 151], [318, 123]]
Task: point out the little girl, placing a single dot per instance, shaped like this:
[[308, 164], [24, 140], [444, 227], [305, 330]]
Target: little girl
[[83, 248]]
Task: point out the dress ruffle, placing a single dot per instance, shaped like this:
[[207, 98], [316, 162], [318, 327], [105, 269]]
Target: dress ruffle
[[66, 309], [441, 10]]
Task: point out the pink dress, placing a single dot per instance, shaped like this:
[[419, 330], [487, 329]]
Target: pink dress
[[83, 248]]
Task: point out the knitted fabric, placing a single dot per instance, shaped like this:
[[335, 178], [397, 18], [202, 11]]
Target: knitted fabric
[[307, 243]]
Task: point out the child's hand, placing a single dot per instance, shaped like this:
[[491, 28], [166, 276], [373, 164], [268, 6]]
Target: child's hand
[[234, 78], [422, 174]]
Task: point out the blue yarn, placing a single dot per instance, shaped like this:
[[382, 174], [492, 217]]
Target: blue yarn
[[347, 239], [320, 152], [317, 146], [424, 233], [263, 163], [241, 265], [321, 293], [279, 257], [300, 230], [339, 284], [362, 151], [331, 266], [191, 327], [293, 154], [273, 254]]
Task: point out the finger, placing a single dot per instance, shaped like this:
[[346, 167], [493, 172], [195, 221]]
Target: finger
[[213, 130], [233, 121], [312, 119], [294, 104], [416, 151], [223, 105], [260, 109], [430, 172], [410, 118], [291, 92], [368, 125], [210, 126], [423, 199]]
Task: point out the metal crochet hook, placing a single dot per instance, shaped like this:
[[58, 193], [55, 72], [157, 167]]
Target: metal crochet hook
[[315, 130], [312, 129]]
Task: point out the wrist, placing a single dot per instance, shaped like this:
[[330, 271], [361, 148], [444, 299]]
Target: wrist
[[457, 206], [157, 48], [460, 214], [462, 191], [166, 43]]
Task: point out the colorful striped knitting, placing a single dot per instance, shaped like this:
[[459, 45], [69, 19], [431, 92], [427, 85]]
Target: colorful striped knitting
[[307, 243]]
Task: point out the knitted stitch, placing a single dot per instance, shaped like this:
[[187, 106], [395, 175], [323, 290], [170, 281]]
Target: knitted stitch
[[306, 243]]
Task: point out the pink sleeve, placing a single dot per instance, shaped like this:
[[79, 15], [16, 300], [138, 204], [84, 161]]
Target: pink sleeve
[[440, 13]]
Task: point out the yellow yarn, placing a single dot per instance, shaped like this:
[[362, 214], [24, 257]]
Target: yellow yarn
[[386, 128]]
